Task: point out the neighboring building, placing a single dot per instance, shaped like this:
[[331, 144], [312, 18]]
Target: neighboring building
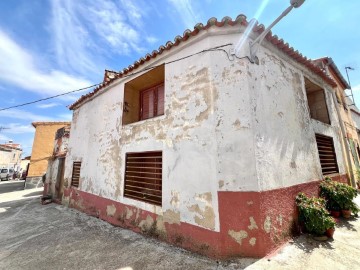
[[24, 167], [42, 150], [10, 156], [355, 114], [347, 114], [54, 185], [206, 151], [24, 163]]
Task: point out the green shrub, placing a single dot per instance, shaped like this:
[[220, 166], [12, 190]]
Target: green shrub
[[313, 214], [328, 191], [338, 195]]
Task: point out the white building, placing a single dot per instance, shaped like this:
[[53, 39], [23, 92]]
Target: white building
[[202, 148]]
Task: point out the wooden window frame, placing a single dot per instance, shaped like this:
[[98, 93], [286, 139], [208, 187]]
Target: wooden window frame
[[155, 89], [327, 154], [75, 178], [143, 182]]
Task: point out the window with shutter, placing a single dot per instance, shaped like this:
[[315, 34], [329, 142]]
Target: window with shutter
[[160, 100], [144, 96], [151, 105], [76, 174], [327, 154], [143, 177]]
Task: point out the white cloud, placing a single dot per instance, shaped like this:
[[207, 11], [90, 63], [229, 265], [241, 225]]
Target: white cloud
[[18, 67], [134, 12], [48, 105], [25, 115], [16, 128], [186, 11], [3, 138], [152, 40], [65, 116], [71, 39], [85, 30]]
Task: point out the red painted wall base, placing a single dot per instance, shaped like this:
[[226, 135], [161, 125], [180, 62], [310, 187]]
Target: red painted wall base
[[252, 224]]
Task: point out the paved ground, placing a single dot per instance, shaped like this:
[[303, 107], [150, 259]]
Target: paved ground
[[12, 185], [33, 236]]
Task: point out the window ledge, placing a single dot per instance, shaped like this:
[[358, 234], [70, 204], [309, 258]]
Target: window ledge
[[140, 122], [321, 123]]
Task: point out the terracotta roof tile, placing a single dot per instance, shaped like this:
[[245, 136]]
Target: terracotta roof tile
[[240, 20], [35, 124]]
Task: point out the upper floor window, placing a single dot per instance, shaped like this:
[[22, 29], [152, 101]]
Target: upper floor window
[[144, 96], [317, 102], [152, 102]]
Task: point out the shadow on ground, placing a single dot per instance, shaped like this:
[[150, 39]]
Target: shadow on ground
[[345, 223], [307, 243], [36, 193]]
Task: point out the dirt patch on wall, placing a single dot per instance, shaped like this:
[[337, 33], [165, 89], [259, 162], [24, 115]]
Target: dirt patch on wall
[[110, 210], [238, 236], [171, 217], [205, 216]]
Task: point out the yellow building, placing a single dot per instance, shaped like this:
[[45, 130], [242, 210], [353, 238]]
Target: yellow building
[[42, 150]]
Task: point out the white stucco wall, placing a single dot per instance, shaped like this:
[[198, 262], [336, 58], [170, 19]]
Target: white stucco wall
[[228, 126], [285, 146]]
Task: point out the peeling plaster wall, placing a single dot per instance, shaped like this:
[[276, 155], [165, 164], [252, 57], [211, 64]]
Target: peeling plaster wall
[[228, 126], [94, 141], [285, 146]]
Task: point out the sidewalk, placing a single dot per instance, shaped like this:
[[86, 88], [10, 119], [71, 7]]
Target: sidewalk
[[343, 252], [35, 236]]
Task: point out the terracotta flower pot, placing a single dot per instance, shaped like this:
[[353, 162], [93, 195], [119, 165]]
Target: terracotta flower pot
[[320, 238], [346, 213], [335, 214], [330, 232]]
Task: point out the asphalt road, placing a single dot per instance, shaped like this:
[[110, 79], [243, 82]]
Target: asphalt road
[[11, 185], [35, 236]]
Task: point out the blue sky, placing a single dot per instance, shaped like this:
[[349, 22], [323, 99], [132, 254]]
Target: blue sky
[[50, 47]]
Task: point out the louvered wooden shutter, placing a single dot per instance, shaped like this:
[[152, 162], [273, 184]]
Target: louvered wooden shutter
[[147, 103], [143, 177], [76, 174], [160, 100], [327, 154]]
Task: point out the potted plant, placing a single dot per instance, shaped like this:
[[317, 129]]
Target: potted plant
[[330, 232], [314, 216], [338, 197], [345, 195], [329, 193]]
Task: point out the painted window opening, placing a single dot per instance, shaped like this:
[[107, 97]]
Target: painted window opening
[[144, 96], [143, 177], [327, 154], [317, 102], [75, 179]]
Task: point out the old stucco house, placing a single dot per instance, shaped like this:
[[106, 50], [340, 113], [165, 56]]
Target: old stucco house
[[200, 147], [42, 151], [54, 185], [10, 156]]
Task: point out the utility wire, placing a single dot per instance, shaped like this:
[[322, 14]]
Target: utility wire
[[59, 95], [217, 48]]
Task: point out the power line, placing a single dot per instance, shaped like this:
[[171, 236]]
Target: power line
[[59, 95], [217, 48]]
